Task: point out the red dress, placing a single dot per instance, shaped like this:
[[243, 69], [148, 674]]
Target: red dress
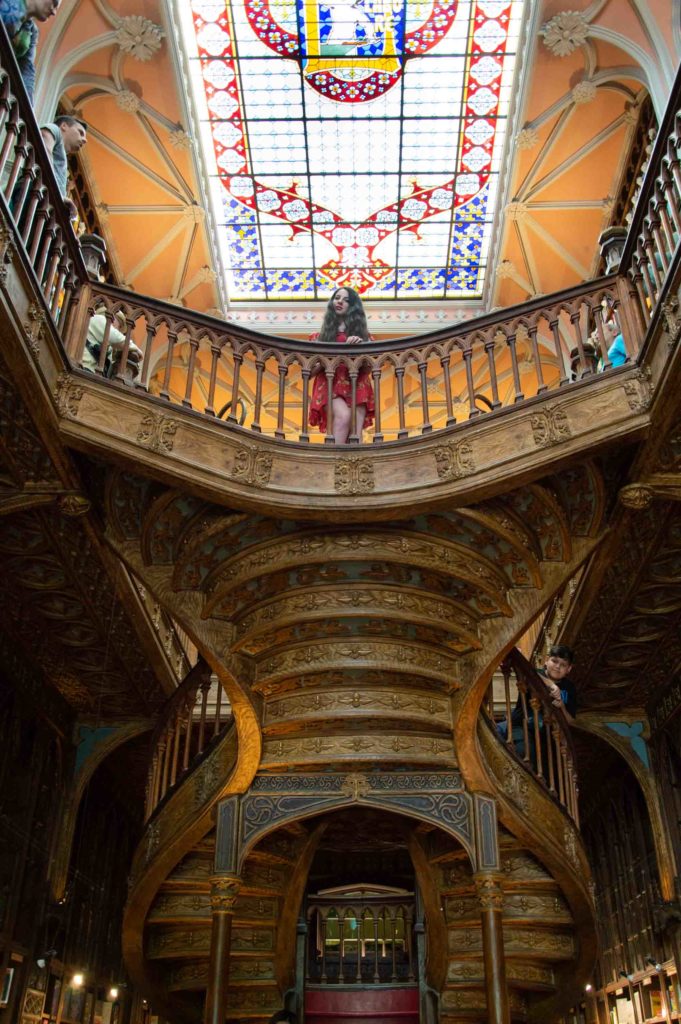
[[342, 388]]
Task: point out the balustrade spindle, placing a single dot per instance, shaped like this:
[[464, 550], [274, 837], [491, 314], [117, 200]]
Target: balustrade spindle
[[238, 359], [218, 705], [473, 411], [54, 263], [18, 206], [305, 426], [170, 348], [490, 348], [353, 437], [393, 919], [378, 432], [426, 426], [8, 145], [558, 752], [506, 673], [669, 198], [163, 759], [193, 351], [445, 361], [409, 947], [58, 288], [651, 260], [541, 385], [20, 158], [176, 749], [259, 370], [536, 706], [660, 247], [204, 688], [322, 928], [213, 378], [146, 359], [660, 207], [399, 377], [49, 234], [104, 347], [377, 976], [602, 344], [329, 439], [281, 401], [585, 368], [188, 711], [522, 689], [29, 214], [511, 342], [341, 947]]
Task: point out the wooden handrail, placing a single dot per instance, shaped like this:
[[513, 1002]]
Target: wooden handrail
[[185, 729], [421, 385], [30, 200], [540, 738]]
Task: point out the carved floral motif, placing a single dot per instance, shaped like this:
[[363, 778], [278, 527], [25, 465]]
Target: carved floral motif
[[550, 427], [252, 466], [67, 395], [157, 432], [354, 475], [636, 496], [639, 391], [565, 32], [454, 461], [139, 37]]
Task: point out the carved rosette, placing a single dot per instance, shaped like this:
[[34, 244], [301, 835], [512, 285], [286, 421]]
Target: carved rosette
[[672, 319], [550, 427], [67, 395], [454, 461], [490, 892], [224, 891], [639, 391], [251, 465], [157, 432], [636, 496], [74, 505], [565, 32], [7, 250], [34, 327], [354, 475]]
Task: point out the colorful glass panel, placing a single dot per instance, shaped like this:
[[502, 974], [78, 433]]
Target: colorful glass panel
[[353, 142]]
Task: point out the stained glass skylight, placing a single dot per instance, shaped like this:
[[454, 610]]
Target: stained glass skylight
[[353, 142]]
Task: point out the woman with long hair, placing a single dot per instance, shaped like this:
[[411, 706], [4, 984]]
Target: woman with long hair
[[344, 323]]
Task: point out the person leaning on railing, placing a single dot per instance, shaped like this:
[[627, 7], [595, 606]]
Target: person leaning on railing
[[345, 323], [561, 693], [19, 18], [96, 333]]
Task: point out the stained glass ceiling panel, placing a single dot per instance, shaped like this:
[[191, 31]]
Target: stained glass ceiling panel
[[353, 142]]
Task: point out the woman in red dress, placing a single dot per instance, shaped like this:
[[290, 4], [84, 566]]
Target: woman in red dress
[[344, 322]]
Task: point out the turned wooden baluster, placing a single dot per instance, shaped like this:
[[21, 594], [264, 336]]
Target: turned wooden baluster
[[490, 348], [670, 201], [103, 351], [536, 706], [426, 426], [473, 411], [541, 385], [506, 673], [49, 236], [376, 374], [651, 255], [281, 400], [170, 347], [377, 976], [218, 707], [661, 212], [176, 747], [204, 689], [215, 351], [305, 384], [146, 359], [193, 351], [259, 371], [445, 363], [393, 921], [323, 979], [598, 319], [329, 439], [353, 436], [522, 690], [341, 946], [511, 342], [237, 359], [12, 134], [399, 375], [34, 184]]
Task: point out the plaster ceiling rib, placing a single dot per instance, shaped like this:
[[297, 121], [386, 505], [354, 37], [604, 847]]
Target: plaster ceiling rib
[[157, 249], [57, 78], [654, 82], [144, 210], [528, 260], [556, 246], [575, 157], [520, 92], [190, 118], [183, 260], [652, 33], [543, 153], [136, 164], [163, 153]]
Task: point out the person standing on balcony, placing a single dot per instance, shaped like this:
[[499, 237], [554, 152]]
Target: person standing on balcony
[[19, 18], [345, 323], [62, 137]]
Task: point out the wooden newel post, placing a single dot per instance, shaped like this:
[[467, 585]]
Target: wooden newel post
[[491, 899], [224, 890]]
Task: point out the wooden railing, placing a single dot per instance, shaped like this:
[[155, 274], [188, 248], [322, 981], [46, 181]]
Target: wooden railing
[[534, 730], [177, 645], [188, 725], [263, 385], [367, 940], [30, 200]]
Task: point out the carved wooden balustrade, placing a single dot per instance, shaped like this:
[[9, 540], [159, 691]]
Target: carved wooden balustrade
[[189, 724], [365, 941], [30, 199], [420, 385], [535, 731], [178, 646]]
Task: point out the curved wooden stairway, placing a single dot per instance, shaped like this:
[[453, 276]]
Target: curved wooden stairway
[[363, 650]]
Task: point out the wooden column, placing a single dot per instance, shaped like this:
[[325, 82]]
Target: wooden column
[[224, 890], [491, 899]]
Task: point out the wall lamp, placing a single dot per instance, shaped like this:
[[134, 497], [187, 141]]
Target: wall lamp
[[44, 958]]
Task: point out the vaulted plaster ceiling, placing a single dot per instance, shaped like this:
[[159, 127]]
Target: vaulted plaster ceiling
[[585, 75]]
